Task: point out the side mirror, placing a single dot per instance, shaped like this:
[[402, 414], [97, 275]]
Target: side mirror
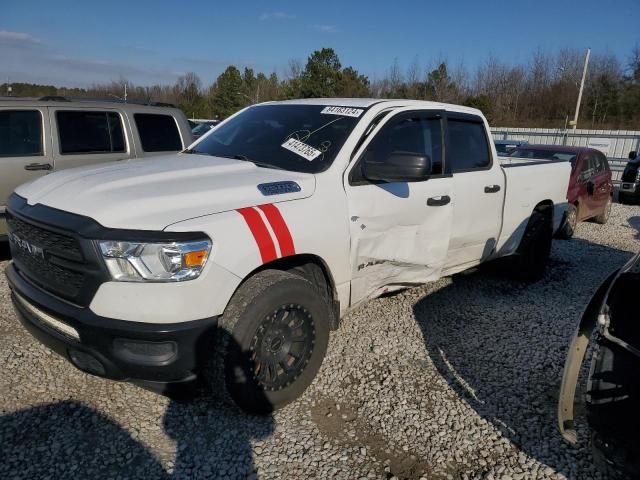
[[397, 167], [633, 155]]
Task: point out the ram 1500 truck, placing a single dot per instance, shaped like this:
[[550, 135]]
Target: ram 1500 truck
[[230, 262]]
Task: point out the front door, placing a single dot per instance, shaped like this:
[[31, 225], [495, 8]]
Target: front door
[[479, 187], [400, 230]]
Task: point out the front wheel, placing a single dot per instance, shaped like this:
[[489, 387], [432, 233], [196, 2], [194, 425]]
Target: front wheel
[[272, 339]]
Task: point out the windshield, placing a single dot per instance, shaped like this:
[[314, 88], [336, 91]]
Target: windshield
[[201, 129], [302, 138], [505, 147], [544, 154]]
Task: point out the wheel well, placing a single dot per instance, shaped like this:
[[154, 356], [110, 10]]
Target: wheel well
[[314, 269]]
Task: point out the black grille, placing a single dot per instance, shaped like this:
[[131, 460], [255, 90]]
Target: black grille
[[49, 259]]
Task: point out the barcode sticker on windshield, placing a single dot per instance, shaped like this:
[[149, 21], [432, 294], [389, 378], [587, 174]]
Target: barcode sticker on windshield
[[301, 148], [342, 111]]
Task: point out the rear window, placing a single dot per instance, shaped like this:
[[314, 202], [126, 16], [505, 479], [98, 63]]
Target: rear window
[[90, 131], [158, 133], [545, 155], [20, 133], [468, 146]]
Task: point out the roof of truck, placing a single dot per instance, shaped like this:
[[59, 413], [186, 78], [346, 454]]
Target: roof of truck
[[369, 102]]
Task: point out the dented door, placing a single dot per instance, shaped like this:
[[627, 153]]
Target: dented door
[[400, 231]]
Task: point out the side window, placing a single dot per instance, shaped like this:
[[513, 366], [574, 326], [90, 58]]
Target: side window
[[20, 133], [468, 146], [158, 133], [603, 163], [90, 131], [412, 134], [588, 167]]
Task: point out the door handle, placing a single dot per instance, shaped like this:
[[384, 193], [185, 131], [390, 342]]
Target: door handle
[[438, 201], [38, 166], [492, 188]]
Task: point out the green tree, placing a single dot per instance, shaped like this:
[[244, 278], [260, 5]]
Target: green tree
[[322, 74], [352, 84], [440, 87], [225, 98], [481, 102]]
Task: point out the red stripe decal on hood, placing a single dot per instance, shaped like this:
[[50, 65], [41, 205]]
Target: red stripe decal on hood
[[260, 233], [279, 227]]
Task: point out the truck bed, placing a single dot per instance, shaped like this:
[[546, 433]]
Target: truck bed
[[529, 182]]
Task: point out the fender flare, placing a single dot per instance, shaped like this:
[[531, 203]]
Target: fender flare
[[575, 356]]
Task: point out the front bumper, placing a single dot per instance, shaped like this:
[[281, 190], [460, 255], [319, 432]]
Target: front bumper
[[161, 357]]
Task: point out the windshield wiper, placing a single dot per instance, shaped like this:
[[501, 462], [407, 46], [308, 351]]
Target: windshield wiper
[[258, 163]]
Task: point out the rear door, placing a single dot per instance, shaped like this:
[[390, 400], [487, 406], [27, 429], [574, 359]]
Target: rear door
[[24, 152], [478, 186], [602, 185], [88, 136], [400, 230]]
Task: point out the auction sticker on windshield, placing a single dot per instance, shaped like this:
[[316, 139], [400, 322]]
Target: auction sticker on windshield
[[342, 111], [301, 148]]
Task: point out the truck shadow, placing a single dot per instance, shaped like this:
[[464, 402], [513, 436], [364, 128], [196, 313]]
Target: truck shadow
[[502, 348], [199, 438]]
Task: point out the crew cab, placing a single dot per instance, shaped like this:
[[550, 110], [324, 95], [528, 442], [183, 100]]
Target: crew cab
[[228, 264]]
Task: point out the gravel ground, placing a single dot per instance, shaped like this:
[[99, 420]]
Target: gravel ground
[[458, 379]]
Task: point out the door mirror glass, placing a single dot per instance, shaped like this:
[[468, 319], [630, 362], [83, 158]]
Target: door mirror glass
[[397, 167]]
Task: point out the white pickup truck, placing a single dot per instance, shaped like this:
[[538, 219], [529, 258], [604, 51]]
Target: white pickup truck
[[228, 264]]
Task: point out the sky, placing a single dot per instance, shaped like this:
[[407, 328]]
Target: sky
[[79, 43]]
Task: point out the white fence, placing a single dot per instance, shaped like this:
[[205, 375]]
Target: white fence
[[615, 144]]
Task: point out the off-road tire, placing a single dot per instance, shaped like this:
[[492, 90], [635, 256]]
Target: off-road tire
[[604, 216], [533, 253], [569, 225], [232, 372]]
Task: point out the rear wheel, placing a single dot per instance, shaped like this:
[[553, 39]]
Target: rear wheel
[[570, 222], [272, 339], [534, 250], [604, 216]]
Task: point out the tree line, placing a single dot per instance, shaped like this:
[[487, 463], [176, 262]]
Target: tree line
[[541, 92]]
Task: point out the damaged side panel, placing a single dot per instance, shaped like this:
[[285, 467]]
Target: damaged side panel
[[397, 239]]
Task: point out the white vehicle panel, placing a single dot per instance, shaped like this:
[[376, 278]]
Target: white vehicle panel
[[528, 185], [149, 195]]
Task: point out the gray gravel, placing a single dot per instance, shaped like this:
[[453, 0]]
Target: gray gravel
[[457, 379]]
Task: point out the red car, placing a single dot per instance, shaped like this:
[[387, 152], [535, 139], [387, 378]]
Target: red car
[[590, 191]]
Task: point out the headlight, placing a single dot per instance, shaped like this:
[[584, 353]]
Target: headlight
[[155, 262]]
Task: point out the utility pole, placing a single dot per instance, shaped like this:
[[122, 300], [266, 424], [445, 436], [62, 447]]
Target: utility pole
[[584, 76], [125, 93]]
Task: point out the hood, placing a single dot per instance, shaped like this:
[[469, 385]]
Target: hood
[[152, 193]]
